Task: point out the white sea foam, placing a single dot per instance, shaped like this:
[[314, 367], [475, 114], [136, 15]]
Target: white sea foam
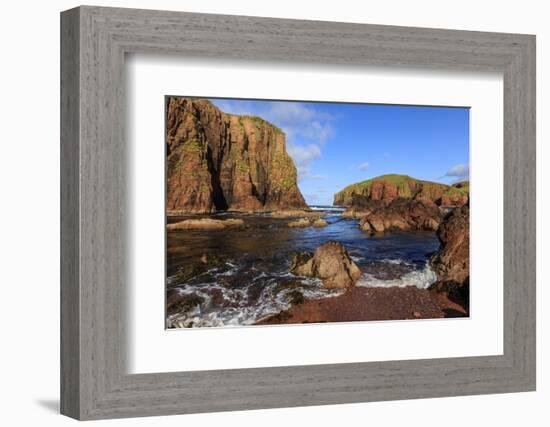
[[238, 308], [396, 261], [422, 279], [327, 208]]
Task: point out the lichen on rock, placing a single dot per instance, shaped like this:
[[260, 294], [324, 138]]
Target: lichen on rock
[[218, 161]]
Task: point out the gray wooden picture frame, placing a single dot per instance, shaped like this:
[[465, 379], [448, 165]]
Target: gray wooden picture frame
[[94, 41]]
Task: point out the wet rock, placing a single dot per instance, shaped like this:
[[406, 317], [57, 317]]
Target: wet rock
[[205, 224], [195, 267], [451, 262], [296, 297], [177, 302], [300, 223], [302, 264], [331, 263], [402, 214], [305, 222]]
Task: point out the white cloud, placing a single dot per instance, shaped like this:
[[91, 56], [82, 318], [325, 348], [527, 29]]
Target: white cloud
[[460, 172], [299, 120], [303, 156], [302, 122], [291, 112], [363, 166]]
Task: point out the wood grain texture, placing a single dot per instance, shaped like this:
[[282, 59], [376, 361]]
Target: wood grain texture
[[95, 238], [70, 258]]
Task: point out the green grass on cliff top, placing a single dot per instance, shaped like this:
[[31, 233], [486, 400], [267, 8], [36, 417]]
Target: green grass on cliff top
[[257, 120]]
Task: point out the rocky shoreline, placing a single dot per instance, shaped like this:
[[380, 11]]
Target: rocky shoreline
[[220, 164], [331, 264]]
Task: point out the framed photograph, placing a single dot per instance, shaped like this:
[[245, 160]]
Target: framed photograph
[[262, 213]]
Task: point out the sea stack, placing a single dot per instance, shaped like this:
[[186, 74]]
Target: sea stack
[[218, 161]]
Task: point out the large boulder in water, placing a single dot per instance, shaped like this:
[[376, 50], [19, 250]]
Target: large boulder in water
[[331, 263]]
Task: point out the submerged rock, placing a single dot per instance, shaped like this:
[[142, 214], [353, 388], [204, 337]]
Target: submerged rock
[[305, 222], [331, 263], [300, 223], [205, 224], [319, 223]]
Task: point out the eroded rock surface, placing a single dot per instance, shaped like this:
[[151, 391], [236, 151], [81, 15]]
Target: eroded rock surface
[[451, 262], [331, 263], [218, 161], [402, 214], [385, 189]]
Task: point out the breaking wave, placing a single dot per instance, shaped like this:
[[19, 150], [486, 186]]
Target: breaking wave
[[422, 279], [327, 208], [264, 295]]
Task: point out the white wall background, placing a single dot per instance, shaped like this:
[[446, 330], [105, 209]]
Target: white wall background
[[29, 211]]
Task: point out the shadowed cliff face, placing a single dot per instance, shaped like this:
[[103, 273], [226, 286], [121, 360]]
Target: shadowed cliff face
[[219, 161], [452, 262]]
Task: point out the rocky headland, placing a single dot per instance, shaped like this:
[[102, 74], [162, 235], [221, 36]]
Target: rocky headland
[[391, 202], [224, 162], [218, 161], [387, 188]]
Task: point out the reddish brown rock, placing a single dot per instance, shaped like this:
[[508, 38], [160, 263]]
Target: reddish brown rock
[[387, 188], [402, 214], [308, 222], [219, 161], [451, 262], [330, 263], [300, 223]]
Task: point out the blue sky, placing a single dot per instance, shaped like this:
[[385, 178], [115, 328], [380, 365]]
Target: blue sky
[[334, 145]]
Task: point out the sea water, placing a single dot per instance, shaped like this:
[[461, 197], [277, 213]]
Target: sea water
[[241, 275]]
